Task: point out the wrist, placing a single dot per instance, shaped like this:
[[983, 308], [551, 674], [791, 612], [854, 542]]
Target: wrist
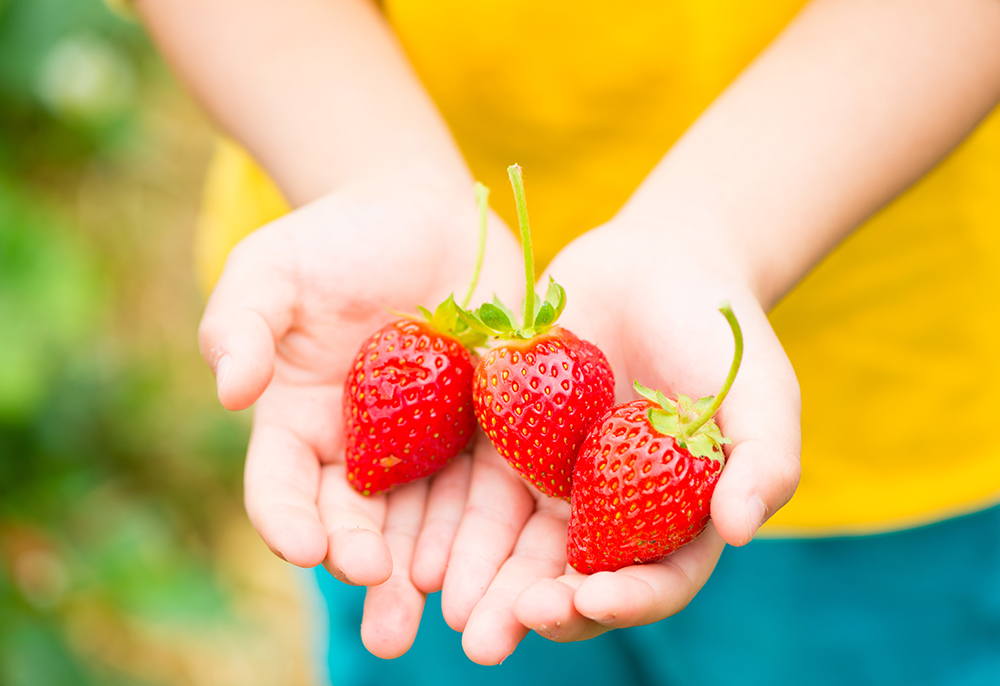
[[725, 241], [704, 245]]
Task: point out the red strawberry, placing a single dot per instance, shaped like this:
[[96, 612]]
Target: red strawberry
[[645, 475], [407, 406], [408, 396], [537, 398], [538, 394]]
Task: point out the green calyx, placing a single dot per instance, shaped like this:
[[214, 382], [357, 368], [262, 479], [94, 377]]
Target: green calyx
[[691, 423], [451, 318], [496, 319]]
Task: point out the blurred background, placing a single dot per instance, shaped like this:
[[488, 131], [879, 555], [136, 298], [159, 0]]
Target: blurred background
[[125, 555]]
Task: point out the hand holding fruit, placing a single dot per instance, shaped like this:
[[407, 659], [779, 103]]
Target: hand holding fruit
[[645, 476], [284, 324], [647, 297]]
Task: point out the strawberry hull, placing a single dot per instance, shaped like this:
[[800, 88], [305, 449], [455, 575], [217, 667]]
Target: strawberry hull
[[407, 406], [637, 495], [536, 400]]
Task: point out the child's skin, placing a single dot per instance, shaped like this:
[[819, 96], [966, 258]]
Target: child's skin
[[851, 104]]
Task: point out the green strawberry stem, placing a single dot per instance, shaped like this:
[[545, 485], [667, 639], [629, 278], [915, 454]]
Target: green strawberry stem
[[482, 197], [514, 172], [495, 320], [690, 429]]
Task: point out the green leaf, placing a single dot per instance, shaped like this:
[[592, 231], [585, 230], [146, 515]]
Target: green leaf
[[503, 308], [556, 296], [537, 303], [495, 318], [647, 393], [666, 403], [707, 442], [475, 323], [703, 404], [700, 445], [426, 313], [654, 396], [471, 338], [664, 422], [446, 315], [546, 315]]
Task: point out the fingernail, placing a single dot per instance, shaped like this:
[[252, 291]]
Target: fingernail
[[609, 619], [756, 512], [222, 368]]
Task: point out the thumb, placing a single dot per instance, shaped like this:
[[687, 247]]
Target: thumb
[[249, 311], [762, 416]]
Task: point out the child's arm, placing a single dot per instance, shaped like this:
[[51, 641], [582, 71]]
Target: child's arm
[[320, 92], [851, 104]]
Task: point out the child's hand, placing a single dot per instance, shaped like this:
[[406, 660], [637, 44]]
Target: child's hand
[[295, 301], [649, 298]]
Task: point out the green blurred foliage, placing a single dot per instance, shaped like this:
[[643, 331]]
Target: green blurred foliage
[[37, 39], [109, 473]]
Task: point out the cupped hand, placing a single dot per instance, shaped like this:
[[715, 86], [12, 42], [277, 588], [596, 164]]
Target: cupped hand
[[648, 297], [295, 301]]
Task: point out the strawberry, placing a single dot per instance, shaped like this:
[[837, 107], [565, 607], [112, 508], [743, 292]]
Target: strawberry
[[644, 478], [538, 393], [408, 395]]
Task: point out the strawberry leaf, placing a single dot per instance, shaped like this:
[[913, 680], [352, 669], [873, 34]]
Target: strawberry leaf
[[536, 304], [503, 308], [703, 403], [446, 315], [546, 315], [707, 442], [666, 403], [475, 323], [664, 422], [495, 318], [556, 296], [647, 393], [426, 313], [702, 446], [471, 338]]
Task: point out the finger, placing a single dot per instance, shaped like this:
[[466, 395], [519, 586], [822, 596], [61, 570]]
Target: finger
[[493, 629], [293, 433], [311, 411], [643, 594], [445, 504], [759, 478], [393, 609], [281, 480], [250, 308], [762, 416], [357, 553], [499, 504], [546, 607]]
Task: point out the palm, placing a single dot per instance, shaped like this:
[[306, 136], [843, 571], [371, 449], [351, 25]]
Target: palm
[[295, 302], [657, 321]]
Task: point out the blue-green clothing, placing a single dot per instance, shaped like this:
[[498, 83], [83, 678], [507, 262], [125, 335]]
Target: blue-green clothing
[[915, 607]]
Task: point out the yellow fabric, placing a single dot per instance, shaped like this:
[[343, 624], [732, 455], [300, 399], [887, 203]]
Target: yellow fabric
[[237, 199], [893, 337]]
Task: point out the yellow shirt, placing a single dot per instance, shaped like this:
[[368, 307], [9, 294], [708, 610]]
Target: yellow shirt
[[893, 337]]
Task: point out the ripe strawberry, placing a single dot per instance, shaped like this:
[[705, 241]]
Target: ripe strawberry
[[537, 395], [407, 405], [645, 475], [408, 396], [537, 398]]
